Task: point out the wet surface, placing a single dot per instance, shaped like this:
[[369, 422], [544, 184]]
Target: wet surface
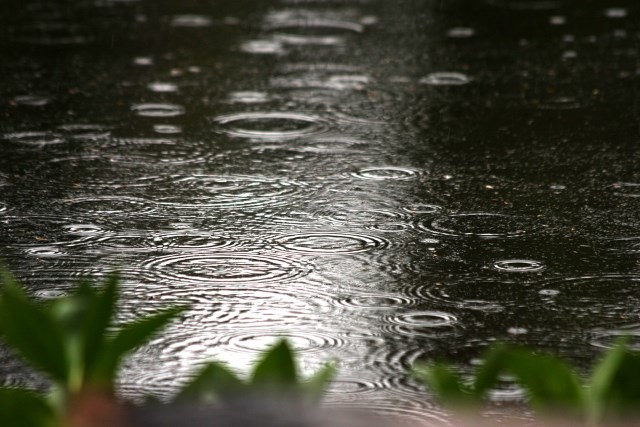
[[384, 182]]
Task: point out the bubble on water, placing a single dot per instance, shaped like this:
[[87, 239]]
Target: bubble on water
[[270, 125], [549, 292], [268, 47], [220, 267], [191, 21], [445, 78], [158, 110], [34, 138], [518, 266], [331, 243], [480, 225], [31, 100], [616, 12], [162, 87], [384, 173]]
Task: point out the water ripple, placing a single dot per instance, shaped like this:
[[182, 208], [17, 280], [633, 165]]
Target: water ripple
[[31, 100], [83, 131], [331, 243], [226, 267], [106, 205], [270, 125], [478, 295], [518, 266], [34, 138], [384, 173], [423, 323], [216, 191], [158, 110], [480, 225], [445, 79], [169, 240], [626, 189], [600, 298]]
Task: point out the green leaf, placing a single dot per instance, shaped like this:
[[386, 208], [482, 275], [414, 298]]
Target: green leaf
[[550, 384], [100, 312], [127, 339], [32, 331], [446, 384], [488, 374], [22, 408], [613, 389], [276, 369], [214, 382], [316, 385]]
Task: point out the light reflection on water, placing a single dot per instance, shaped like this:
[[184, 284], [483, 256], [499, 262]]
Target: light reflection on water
[[381, 182]]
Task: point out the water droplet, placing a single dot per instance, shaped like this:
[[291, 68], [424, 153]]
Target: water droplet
[[423, 323], [518, 266], [270, 125], [143, 60], [158, 110], [557, 20], [84, 229], [191, 21], [549, 292], [384, 173], [48, 294], [331, 243], [445, 79], [248, 97], [517, 331], [226, 268], [374, 302], [422, 208]]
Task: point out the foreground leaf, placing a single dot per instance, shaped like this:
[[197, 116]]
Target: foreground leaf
[[446, 384], [315, 386], [32, 331], [214, 382], [22, 408], [276, 369]]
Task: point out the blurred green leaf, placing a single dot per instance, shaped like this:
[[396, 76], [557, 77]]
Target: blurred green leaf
[[22, 408], [446, 384], [488, 374], [214, 382], [32, 331], [613, 389], [316, 385], [130, 337], [276, 369], [550, 384], [100, 310]]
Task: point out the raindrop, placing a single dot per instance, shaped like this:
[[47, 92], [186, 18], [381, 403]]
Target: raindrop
[[158, 110], [549, 292], [270, 125], [557, 20], [422, 208], [481, 225], [225, 268], [445, 79], [191, 21], [48, 294], [374, 302], [472, 294], [518, 266], [143, 60], [331, 243], [384, 173], [84, 229]]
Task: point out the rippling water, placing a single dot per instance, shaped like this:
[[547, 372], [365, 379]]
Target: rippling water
[[383, 182]]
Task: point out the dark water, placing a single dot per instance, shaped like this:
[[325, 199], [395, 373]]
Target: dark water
[[384, 182]]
